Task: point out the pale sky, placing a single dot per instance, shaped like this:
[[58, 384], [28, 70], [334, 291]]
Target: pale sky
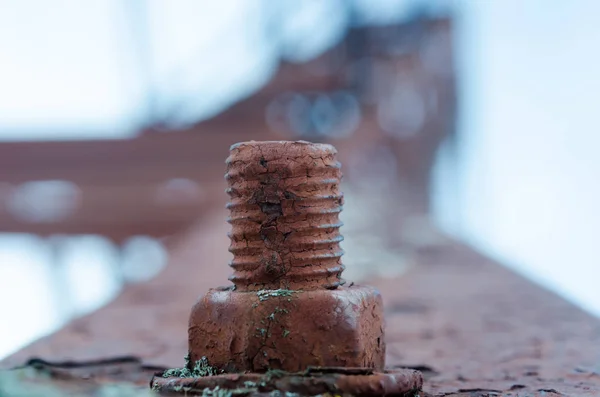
[[526, 188]]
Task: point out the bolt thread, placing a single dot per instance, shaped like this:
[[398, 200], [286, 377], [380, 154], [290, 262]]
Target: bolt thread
[[284, 212]]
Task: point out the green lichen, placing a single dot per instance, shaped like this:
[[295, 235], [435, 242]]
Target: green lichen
[[277, 311], [265, 332], [217, 392], [274, 374], [277, 393], [265, 294], [242, 391], [200, 369], [177, 372]]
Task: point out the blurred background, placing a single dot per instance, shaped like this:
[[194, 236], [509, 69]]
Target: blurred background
[[464, 119]]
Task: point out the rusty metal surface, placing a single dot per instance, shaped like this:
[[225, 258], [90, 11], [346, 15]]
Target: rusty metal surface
[[477, 325], [312, 382], [470, 325], [247, 331]]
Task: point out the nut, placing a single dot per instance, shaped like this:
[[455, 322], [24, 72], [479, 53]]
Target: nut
[[238, 332], [288, 308]]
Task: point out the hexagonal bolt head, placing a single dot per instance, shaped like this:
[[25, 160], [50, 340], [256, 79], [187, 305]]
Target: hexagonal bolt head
[[288, 308]]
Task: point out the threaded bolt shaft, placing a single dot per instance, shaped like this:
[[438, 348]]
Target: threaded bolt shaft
[[284, 209]]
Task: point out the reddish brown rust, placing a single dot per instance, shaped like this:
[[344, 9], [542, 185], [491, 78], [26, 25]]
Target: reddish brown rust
[[285, 202], [288, 308]]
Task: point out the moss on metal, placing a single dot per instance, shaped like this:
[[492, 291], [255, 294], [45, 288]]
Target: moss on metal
[[199, 369]]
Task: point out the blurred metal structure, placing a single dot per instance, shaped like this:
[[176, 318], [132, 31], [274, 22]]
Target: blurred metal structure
[[154, 185], [382, 85]]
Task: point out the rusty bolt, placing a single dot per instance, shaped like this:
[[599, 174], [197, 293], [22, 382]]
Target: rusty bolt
[[289, 307]]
